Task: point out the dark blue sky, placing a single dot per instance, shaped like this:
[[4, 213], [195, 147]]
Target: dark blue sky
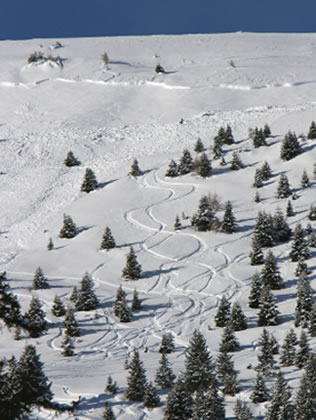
[[23, 19]]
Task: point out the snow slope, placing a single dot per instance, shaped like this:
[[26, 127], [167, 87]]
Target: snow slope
[[109, 115]]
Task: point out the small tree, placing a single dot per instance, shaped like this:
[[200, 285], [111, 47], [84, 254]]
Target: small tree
[[264, 229], [268, 312], [283, 189], [50, 245], [312, 322], [312, 212], [124, 312], [290, 146], [289, 209], [228, 138], [111, 386], [305, 182], [257, 181], [282, 231], [58, 308], [71, 160], [238, 320], [255, 291], [280, 407], [108, 412], [70, 324], [229, 222], [227, 374], [222, 316], [299, 248], [204, 219], [266, 360], [288, 352], [259, 392], [136, 302], [242, 411], [67, 346], [179, 403], [132, 270], [270, 275], [120, 295], [39, 280], [69, 229], [236, 162], [177, 224], [151, 398], [266, 130], [266, 172], [87, 299], [167, 343], [105, 58], [90, 182], [135, 171], [136, 380], [204, 168], [259, 138], [303, 352], [172, 170], [199, 146], [304, 301], [164, 377], [256, 254], [35, 318], [108, 242], [186, 162], [74, 295], [312, 131], [229, 342]]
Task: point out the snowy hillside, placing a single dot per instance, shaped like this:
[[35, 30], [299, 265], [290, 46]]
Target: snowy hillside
[[109, 115]]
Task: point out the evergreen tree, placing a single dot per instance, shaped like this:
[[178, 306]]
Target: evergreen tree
[[282, 231], [120, 295], [256, 254], [39, 280], [264, 230], [259, 391], [312, 322], [266, 131], [303, 352], [290, 146], [167, 343], [164, 377], [266, 361], [111, 386], [89, 182], [50, 245], [136, 380], [226, 374], [238, 320], [299, 249], [67, 346], [186, 163], [228, 138], [172, 170], [199, 146], [220, 137], [268, 312], [312, 131], [229, 342], [136, 302], [204, 166], [270, 275], [222, 316], [132, 270], [179, 403], [305, 182], [70, 324], [199, 367], [35, 318], [229, 222], [108, 241], [301, 267], [242, 411], [208, 405], [74, 295], [304, 301], [177, 224], [236, 162], [266, 172], [151, 398], [108, 412], [10, 308], [305, 407], [274, 344], [135, 171], [255, 292], [311, 240], [257, 181], [69, 229], [58, 308], [124, 312], [71, 160], [280, 406], [87, 299], [257, 198], [289, 209], [283, 188], [312, 213], [259, 138], [204, 218], [217, 147], [288, 351]]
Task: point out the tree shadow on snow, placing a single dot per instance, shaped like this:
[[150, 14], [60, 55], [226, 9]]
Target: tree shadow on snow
[[104, 184], [152, 273], [84, 228]]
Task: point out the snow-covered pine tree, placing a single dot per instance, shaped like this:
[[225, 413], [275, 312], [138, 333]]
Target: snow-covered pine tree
[[136, 380], [135, 170], [312, 322], [311, 240], [257, 181], [283, 188], [238, 320], [229, 342], [71, 160], [289, 209], [270, 276], [281, 228], [120, 294], [266, 131], [39, 280], [312, 212], [70, 324], [67, 346], [268, 312], [108, 412], [305, 407], [199, 146], [280, 406], [124, 313], [217, 148], [151, 399], [259, 138], [136, 302], [303, 352], [172, 170], [236, 162], [290, 146], [74, 295], [255, 291], [204, 168], [226, 374], [299, 248], [266, 362], [164, 377], [204, 219], [257, 198], [288, 351], [199, 366], [58, 308], [177, 224], [264, 230], [208, 405], [50, 245], [185, 163], [229, 224], [259, 391], [266, 172], [312, 131], [242, 411], [167, 343], [220, 137], [222, 316], [89, 182], [132, 269], [69, 229], [34, 318], [87, 299], [305, 182], [301, 267], [111, 386], [10, 308], [228, 138], [179, 402], [108, 242], [256, 254], [304, 301]]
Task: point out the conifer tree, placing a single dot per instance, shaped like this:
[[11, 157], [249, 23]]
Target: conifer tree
[[10, 308], [208, 405], [304, 301], [274, 344], [266, 131], [111, 386], [199, 367], [282, 231], [255, 291], [266, 172], [264, 230], [177, 224], [217, 147], [167, 343], [108, 242], [108, 412], [226, 374], [74, 295], [288, 351], [164, 377], [172, 170], [120, 294], [220, 137], [204, 166], [303, 352], [259, 138], [39, 280], [70, 324], [242, 411], [67, 346], [186, 162], [229, 222], [283, 188], [199, 146], [50, 245], [259, 391], [312, 322], [58, 308], [270, 275], [256, 254], [305, 182], [222, 316], [69, 229], [311, 240], [228, 138], [290, 146], [312, 213], [280, 406], [238, 320], [266, 362], [257, 181], [229, 342], [312, 131], [87, 299], [204, 218], [124, 312], [136, 380], [136, 302], [35, 318], [301, 268], [89, 182], [305, 407], [257, 198], [132, 270], [289, 209], [179, 403], [268, 312], [236, 162], [135, 171], [151, 398], [71, 160], [299, 249]]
